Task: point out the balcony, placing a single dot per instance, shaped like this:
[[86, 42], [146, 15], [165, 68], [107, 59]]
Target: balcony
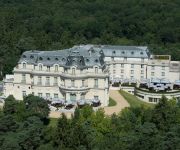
[[83, 75], [73, 88]]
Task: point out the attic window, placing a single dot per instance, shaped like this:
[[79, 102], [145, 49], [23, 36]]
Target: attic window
[[132, 53], [114, 52], [141, 53], [24, 56], [40, 58], [96, 60], [56, 59], [80, 61], [31, 56], [63, 59], [48, 58], [87, 60], [123, 52]]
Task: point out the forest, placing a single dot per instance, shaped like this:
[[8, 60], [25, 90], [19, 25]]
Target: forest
[[24, 125], [58, 24]]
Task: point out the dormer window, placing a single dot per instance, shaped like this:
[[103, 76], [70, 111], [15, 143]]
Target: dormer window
[[31, 56], [63, 60], [114, 52], [24, 56], [123, 52], [96, 70], [87, 60], [96, 60], [132, 53], [56, 59], [40, 58], [48, 58], [141, 53]]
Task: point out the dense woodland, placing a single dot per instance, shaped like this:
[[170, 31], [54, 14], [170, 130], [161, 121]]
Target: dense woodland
[[57, 24], [24, 126]]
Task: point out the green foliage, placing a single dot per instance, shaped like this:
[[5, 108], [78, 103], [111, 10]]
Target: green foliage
[[133, 100], [112, 102], [57, 24]]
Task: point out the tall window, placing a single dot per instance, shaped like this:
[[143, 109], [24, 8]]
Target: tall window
[[55, 81], [23, 93], [39, 80], [122, 65], [40, 94], [73, 71], [132, 71], [152, 73], [132, 65], [82, 83], [163, 67], [72, 83], [23, 78], [56, 68], [152, 67], [24, 65], [122, 71], [48, 68], [95, 82], [142, 66], [96, 69], [40, 67], [55, 95], [82, 96], [163, 73], [47, 95], [47, 80]]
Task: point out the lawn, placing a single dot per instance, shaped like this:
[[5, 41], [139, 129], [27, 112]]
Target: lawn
[[133, 100], [112, 102], [53, 122]]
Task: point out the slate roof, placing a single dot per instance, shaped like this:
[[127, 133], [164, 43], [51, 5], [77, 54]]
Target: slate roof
[[83, 56]]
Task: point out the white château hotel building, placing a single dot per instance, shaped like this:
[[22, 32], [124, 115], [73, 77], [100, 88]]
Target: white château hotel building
[[83, 72]]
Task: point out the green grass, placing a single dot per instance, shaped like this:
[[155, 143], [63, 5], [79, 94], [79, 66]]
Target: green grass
[[134, 101], [112, 102], [53, 122]]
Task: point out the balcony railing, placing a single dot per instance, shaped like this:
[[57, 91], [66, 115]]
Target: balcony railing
[[73, 88]]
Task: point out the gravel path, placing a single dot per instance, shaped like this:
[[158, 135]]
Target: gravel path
[[121, 103]]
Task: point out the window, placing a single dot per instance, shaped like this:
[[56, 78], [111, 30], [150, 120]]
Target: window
[[40, 67], [152, 67], [24, 65], [55, 81], [40, 94], [132, 71], [142, 66], [96, 83], [82, 83], [132, 65], [23, 78], [152, 73], [48, 68], [122, 71], [47, 95], [55, 95], [39, 80], [142, 59], [132, 77], [96, 97], [56, 68], [114, 65], [163, 67], [72, 83], [73, 71], [122, 76], [96, 69], [163, 73], [112, 58], [47, 81], [142, 77], [82, 96], [114, 71], [142, 71], [122, 65], [23, 93]]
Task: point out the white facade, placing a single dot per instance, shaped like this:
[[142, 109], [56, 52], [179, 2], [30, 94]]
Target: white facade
[[82, 72]]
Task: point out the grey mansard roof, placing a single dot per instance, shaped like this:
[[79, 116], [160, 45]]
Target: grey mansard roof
[[83, 56]]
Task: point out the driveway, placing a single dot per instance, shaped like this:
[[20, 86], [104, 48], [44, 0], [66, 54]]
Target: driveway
[[121, 103]]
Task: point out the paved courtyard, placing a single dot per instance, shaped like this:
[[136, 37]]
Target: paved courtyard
[[114, 94]]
